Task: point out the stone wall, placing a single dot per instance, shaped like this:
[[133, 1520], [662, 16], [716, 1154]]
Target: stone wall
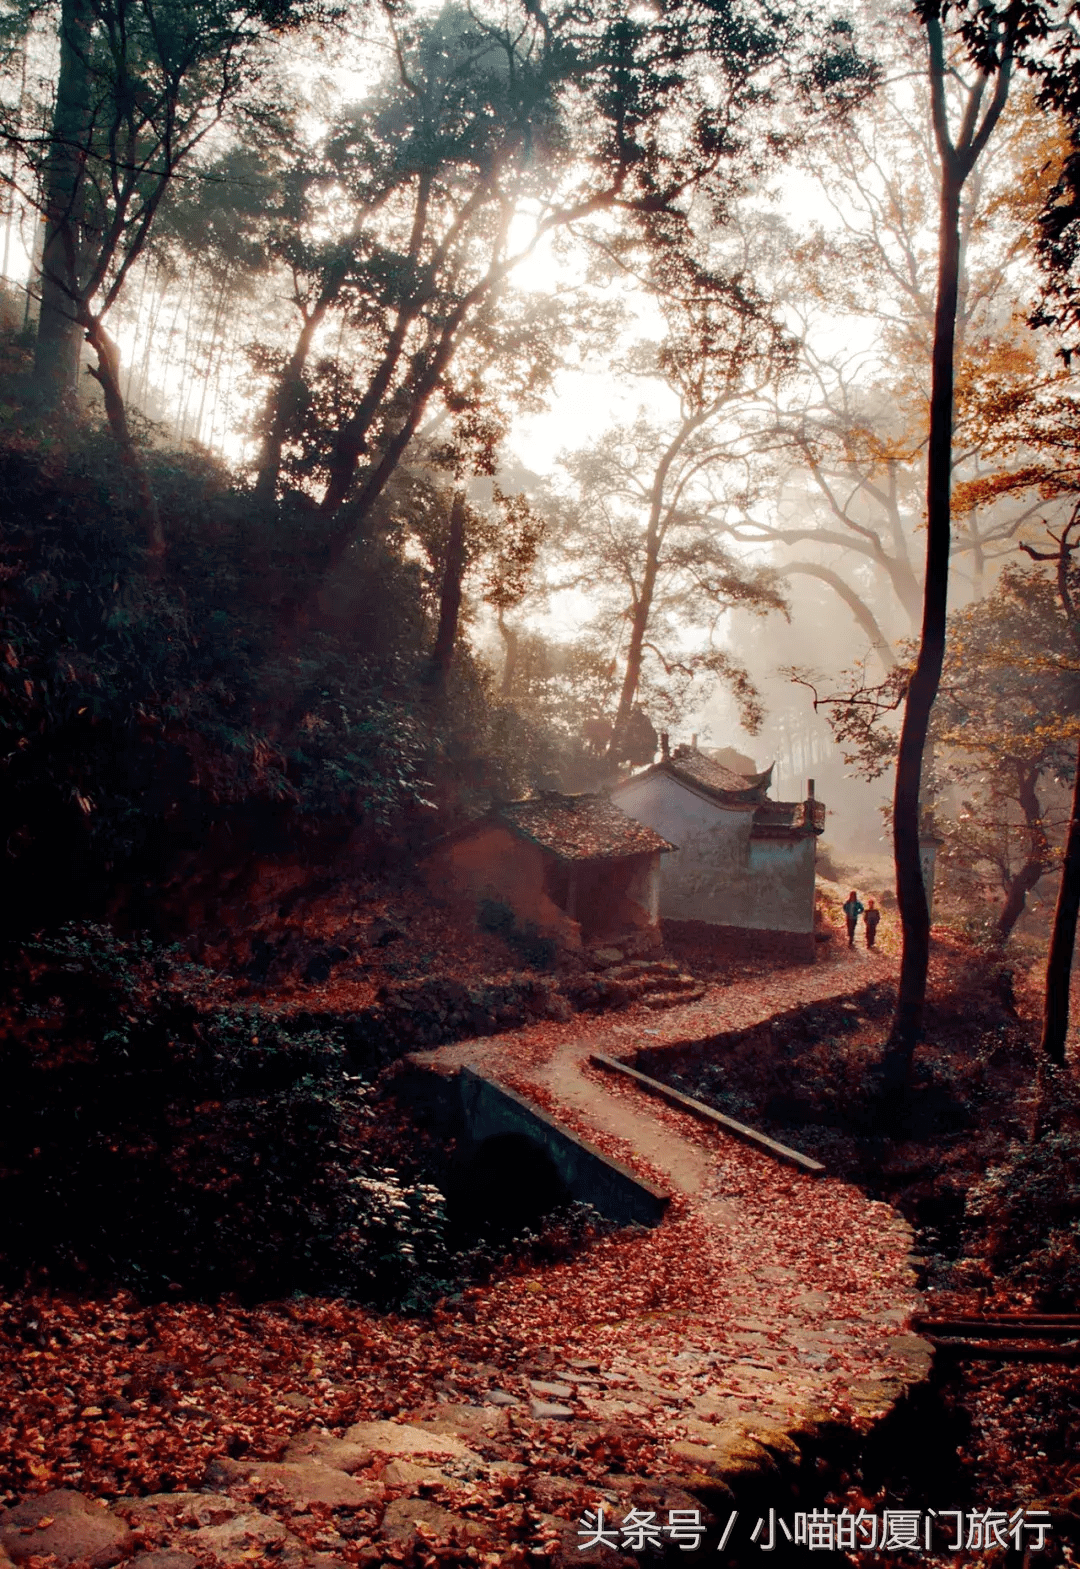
[[741, 942]]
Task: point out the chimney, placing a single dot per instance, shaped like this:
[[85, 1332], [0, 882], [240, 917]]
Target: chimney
[[693, 742], [664, 750], [809, 789]]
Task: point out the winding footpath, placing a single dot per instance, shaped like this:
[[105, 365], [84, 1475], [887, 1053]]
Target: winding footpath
[[770, 1308], [706, 1370]]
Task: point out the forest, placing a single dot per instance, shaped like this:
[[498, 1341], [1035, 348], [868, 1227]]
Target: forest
[[508, 511]]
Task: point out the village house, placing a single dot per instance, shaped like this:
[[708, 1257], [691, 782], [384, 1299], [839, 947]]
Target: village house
[[574, 867], [744, 873]]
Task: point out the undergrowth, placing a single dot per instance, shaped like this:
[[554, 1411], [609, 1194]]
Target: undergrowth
[[158, 1141]]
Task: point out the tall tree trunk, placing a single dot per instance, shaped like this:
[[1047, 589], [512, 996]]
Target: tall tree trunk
[[56, 356], [193, 339], [142, 311], [1016, 898], [171, 339], [375, 482], [352, 439], [282, 406], [635, 652], [107, 373], [442, 655], [957, 162], [1038, 850], [512, 642], [37, 251], [654, 539], [1063, 940], [215, 334], [910, 892], [10, 218]]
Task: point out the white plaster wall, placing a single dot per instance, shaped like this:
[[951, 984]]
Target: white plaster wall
[[783, 874], [718, 873], [644, 887], [708, 877]]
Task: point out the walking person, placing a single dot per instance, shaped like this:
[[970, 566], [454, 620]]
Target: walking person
[[870, 921], [852, 910]]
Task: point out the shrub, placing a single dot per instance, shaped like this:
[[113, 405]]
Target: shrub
[[532, 948], [156, 1141], [1024, 1217]]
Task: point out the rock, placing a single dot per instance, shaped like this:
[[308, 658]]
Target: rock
[[220, 1472], [512, 1470], [309, 1482], [499, 1397], [166, 1558], [234, 1540], [560, 1495], [662, 1496], [338, 1453], [557, 1391], [568, 1548], [716, 1408], [875, 1395], [549, 1411], [606, 956], [910, 1345], [916, 1353], [400, 1438], [67, 1525], [817, 1428], [168, 1509], [712, 1492], [232, 1531], [726, 1451], [473, 1425], [404, 1473], [772, 1435], [404, 1515]]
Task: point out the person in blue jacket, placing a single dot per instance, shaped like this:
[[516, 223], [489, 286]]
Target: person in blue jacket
[[852, 910]]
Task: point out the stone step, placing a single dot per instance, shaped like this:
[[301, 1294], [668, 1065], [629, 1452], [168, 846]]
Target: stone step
[[674, 999], [680, 981], [638, 969]]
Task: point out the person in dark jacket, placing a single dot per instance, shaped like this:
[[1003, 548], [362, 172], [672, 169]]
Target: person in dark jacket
[[870, 921], [852, 910]]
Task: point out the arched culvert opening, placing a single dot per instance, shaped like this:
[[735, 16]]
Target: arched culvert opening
[[508, 1183]]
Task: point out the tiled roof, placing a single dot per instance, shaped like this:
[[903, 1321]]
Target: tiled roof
[[693, 768], [580, 827], [713, 776], [786, 817]]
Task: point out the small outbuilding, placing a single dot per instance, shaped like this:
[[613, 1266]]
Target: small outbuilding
[[574, 867], [744, 874]]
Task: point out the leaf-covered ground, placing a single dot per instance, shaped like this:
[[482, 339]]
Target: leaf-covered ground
[[764, 1294], [765, 1298]]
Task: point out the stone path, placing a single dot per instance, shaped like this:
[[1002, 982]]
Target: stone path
[[807, 1289]]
